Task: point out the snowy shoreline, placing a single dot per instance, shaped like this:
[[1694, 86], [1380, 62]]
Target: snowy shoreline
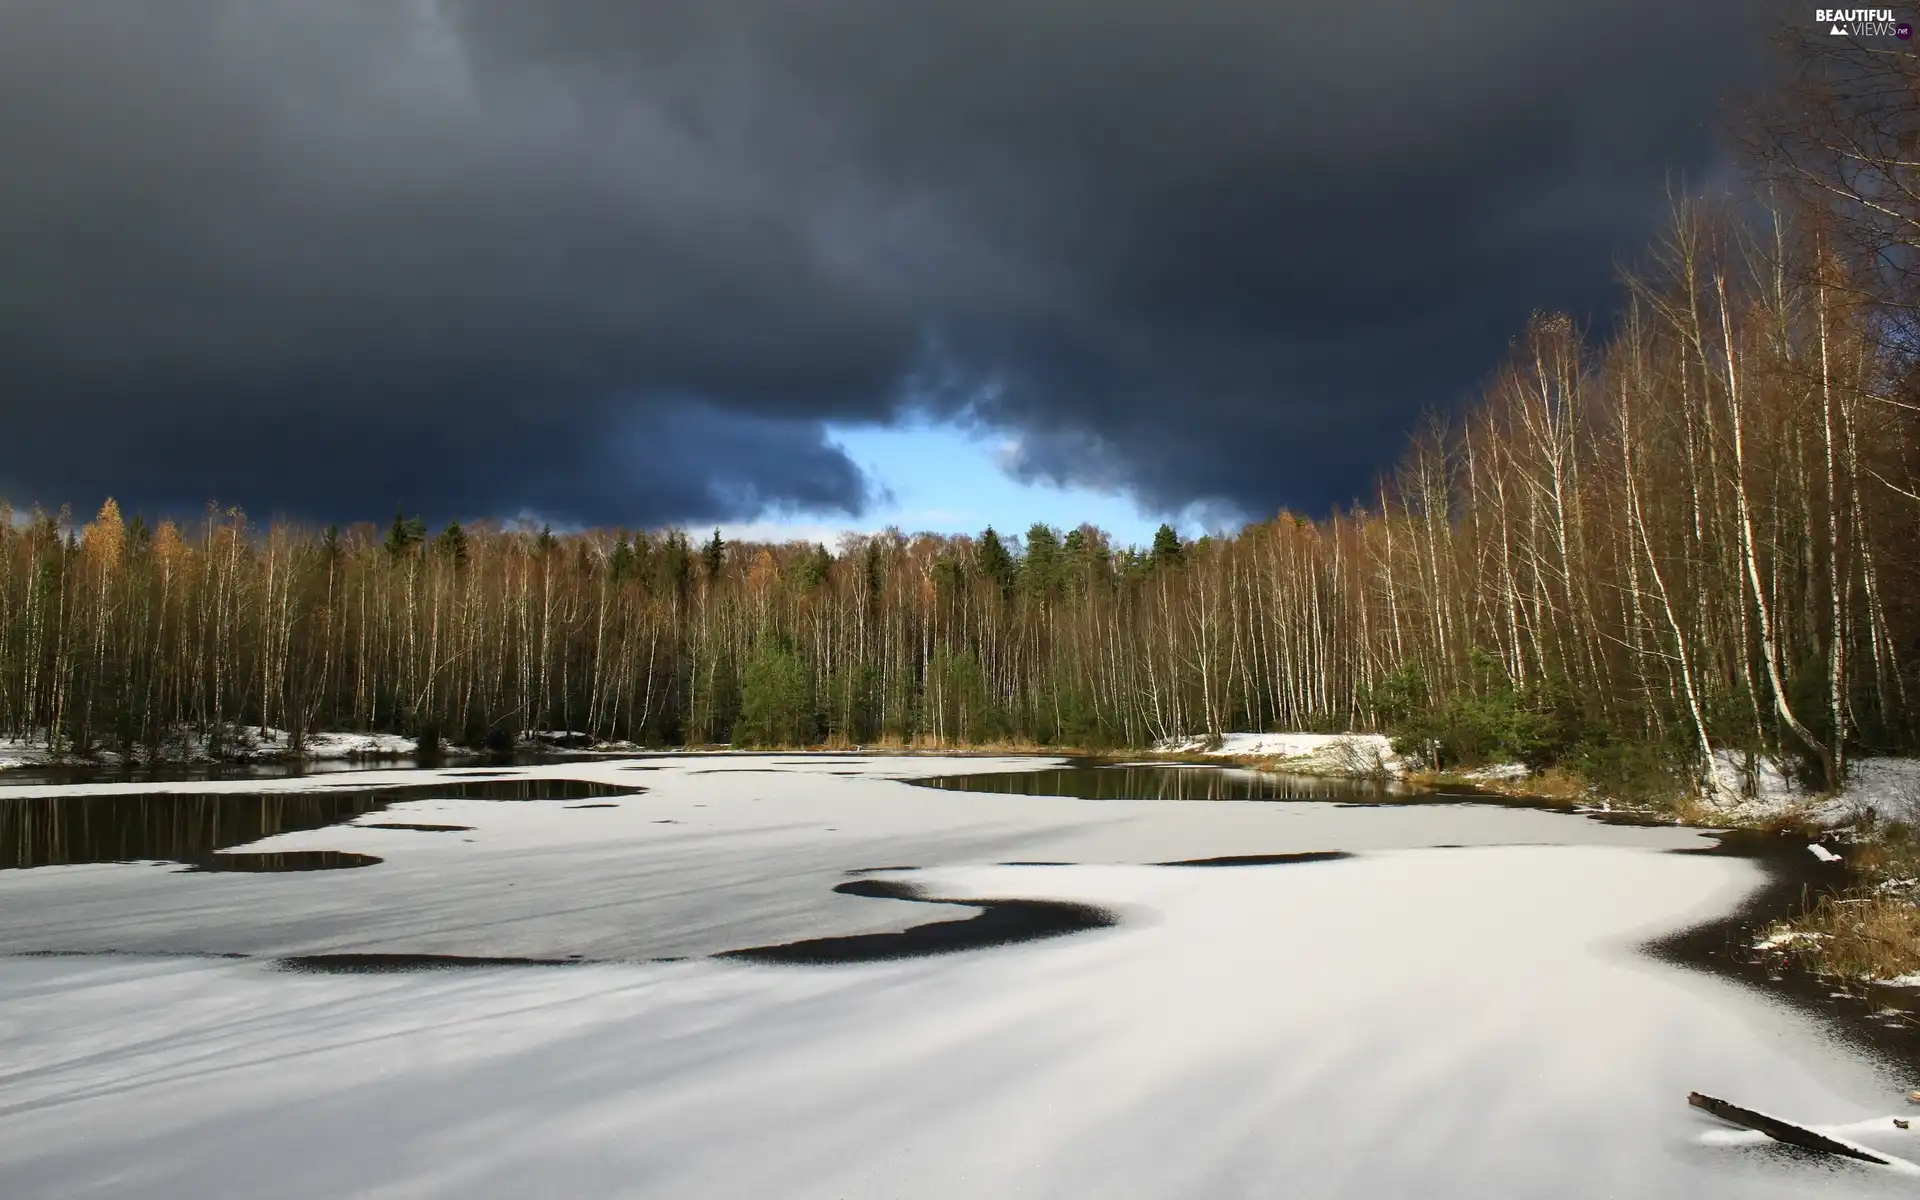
[[239, 745], [1877, 789]]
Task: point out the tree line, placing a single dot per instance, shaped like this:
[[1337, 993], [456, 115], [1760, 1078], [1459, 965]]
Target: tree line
[[1695, 533]]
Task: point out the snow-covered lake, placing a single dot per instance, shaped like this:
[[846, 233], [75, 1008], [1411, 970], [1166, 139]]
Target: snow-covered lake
[[1455, 1009]]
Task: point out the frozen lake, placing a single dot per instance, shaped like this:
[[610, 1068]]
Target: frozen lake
[[1436, 999]]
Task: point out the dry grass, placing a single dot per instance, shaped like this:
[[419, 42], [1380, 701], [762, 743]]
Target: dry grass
[[1552, 784], [1869, 931], [1873, 930], [1894, 855], [1689, 809], [1863, 937], [894, 745], [1797, 823], [1360, 759]]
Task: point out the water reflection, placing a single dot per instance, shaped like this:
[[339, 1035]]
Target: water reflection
[[1103, 782], [187, 827], [67, 774], [285, 860]]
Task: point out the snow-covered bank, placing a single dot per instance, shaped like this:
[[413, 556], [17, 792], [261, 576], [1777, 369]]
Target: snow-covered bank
[[1889, 788], [1880, 789], [238, 744], [1342, 755], [16, 752], [1354, 755], [1876, 790]]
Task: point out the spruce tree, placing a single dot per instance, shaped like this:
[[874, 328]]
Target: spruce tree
[[775, 699], [876, 570], [715, 555], [1167, 550], [675, 570], [644, 560], [620, 564], [813, 568], [404, 534], [1041, 573], [995, 562], [452, 544]]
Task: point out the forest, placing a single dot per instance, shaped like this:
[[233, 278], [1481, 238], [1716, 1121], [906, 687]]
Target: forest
[[1695, 530]]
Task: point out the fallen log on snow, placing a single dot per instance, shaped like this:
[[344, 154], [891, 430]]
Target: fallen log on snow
[[1781, 1131]]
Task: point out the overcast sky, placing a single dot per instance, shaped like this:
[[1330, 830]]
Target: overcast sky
[[763, 260]]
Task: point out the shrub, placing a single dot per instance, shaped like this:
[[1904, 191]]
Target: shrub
[[1488, 721], [1643, 772]]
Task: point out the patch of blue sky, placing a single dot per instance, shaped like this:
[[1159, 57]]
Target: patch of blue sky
[[942, 478]]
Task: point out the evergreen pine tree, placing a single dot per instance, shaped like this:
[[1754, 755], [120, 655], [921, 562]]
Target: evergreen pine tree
[[1042, 573], [404, 534], [995, 562], [452, 544], [1167, 550], [620, 564], [775, 699], [814, 567], [876, 569], [675, 564], [715, 555]]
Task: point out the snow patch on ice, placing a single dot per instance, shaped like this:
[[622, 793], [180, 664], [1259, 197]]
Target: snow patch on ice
[[1873, 1127]]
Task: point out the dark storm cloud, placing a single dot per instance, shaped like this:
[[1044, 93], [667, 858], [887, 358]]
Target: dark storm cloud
[[621, 262]]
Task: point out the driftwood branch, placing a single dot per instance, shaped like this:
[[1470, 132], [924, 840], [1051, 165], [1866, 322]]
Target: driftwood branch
[[1780, 1131]]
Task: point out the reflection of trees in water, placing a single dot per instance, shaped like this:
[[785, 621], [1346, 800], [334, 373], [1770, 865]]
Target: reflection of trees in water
[[286, 860], [45, 831], [1162, 783]]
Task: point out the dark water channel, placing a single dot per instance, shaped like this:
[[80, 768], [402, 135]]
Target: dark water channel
[[190, 827], [1092, 780], [67, 774], [1880, 1020], [998, 923]]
